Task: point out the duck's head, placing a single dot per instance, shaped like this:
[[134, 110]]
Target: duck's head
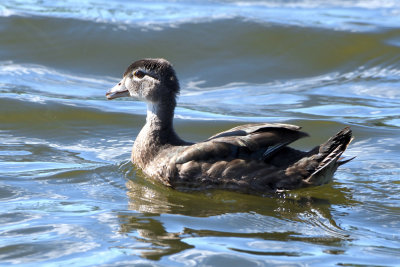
[[152, 80]]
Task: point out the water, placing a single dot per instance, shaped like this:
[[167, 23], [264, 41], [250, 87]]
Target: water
[[69, 195]]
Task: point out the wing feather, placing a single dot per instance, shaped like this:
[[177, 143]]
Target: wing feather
[[259, 141]]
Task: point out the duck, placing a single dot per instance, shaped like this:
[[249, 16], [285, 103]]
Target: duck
[[252, 158]]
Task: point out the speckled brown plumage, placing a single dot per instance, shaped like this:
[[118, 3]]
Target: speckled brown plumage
[[251, 158]]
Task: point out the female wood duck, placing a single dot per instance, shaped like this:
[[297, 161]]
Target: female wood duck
[[251, 158]]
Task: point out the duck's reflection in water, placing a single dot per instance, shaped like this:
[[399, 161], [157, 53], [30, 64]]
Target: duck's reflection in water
[[164, 221]]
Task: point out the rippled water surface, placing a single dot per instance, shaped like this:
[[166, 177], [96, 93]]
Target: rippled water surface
[[69, 195]]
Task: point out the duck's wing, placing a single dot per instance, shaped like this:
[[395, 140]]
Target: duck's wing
[[251, 141], [246, 129]]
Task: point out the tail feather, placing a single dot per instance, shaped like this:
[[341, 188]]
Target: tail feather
[[342, 161], [329, 157], [339, 141]]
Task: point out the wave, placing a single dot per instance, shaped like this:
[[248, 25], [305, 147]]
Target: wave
[[361, 96], [33, 79], [154, 15]]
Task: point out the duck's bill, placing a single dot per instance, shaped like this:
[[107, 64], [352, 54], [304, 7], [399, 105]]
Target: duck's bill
[[117, 91]]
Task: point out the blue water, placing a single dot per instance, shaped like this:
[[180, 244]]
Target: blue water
[[69, 194]]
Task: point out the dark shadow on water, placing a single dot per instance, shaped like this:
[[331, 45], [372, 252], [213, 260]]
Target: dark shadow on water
[[195, 212]]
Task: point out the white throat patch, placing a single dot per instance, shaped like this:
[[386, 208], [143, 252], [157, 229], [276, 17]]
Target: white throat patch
[[151, 110]]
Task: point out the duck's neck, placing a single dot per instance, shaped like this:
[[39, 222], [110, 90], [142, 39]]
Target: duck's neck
[[159, 120], [158, 133]]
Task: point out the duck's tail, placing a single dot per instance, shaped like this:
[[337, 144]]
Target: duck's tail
[[319, 166], [328, 158]]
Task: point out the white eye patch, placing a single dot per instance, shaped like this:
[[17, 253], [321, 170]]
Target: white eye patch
[[128, 83]]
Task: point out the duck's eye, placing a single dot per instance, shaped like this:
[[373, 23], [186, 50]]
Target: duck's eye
[[140, 74]]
